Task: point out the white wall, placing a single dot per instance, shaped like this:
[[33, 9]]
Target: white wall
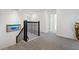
[[43, 15], [17, 17], [65, 22], [26, 14], [8, 17]]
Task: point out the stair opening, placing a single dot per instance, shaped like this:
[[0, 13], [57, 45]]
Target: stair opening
[[30, 31]]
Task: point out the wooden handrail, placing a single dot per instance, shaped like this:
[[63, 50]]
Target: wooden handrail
[[19, 34]]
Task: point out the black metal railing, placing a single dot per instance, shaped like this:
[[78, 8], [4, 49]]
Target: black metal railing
[[29, 26]]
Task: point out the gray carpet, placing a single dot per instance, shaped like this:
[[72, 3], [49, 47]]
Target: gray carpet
[[46, 41]]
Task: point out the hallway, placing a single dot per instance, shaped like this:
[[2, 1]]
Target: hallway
[[46, 41]]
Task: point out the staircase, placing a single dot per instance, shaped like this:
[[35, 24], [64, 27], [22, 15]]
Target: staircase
[[30, 31]]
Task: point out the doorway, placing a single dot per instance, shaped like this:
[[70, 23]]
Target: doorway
[[52, 23]]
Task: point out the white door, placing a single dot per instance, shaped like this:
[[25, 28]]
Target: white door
[[52, 23]]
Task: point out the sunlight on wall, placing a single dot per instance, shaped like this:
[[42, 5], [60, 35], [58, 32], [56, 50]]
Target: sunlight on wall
[[26, 17], [55, 22], [34, 16], [13, 18]]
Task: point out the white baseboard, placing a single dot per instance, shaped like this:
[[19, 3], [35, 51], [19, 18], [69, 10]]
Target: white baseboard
[[65, 36]]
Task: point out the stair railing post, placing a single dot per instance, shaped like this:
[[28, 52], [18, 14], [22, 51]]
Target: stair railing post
[[25, 30], [38, 28]]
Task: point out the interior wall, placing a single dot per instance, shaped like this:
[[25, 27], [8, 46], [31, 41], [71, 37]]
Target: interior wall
[[8, 17], [66, 19], [26, 14], [43, 15]]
